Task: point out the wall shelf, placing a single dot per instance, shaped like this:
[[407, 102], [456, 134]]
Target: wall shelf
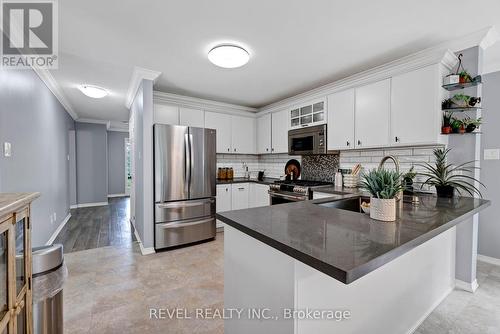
[[460, 109], [458, 86], [461, 134]]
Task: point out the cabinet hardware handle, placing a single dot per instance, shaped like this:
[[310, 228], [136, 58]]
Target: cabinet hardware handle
[[359, 142], [348, 144], [228, 149], [241, 188], [397, 139], [267, 149], [272, 150], [235, 150]]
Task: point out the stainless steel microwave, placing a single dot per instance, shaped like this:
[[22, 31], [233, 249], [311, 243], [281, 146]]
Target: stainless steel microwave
[[307, 140]]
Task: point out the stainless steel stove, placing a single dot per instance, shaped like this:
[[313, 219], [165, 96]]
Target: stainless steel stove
[[294, 191]]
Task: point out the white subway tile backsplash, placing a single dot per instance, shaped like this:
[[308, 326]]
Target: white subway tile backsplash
[[398, 152]]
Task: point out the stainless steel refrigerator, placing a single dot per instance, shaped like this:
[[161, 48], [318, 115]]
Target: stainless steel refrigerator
[[184, 184]]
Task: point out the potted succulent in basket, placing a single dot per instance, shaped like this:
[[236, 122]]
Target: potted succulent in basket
[[384, 186], [446, 128], [472, 124], [447, 178]]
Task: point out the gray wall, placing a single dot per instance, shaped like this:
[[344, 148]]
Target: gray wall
[[489, 221], [37, 125], [91, 163], [116, 162], [72, 168]]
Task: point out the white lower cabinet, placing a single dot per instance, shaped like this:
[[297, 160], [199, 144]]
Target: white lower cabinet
[[259, 195], [240, 196], [223, 202]]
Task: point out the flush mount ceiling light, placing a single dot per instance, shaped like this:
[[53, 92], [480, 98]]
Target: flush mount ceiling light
[[228, 56], [92, 91]]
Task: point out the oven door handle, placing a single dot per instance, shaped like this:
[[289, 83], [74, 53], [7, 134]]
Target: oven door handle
[[295, 198]]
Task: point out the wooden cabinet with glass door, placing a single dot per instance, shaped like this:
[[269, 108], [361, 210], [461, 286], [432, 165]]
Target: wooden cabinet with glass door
[[15, 263]]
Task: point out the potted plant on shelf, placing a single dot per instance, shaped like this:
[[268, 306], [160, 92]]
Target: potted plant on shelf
[[465, 77], [461, 100], [457, 125], [472, 124], [383, 186], [447, 178], [446, 128]]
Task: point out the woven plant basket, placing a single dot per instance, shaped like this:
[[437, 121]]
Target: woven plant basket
[[383, 209]]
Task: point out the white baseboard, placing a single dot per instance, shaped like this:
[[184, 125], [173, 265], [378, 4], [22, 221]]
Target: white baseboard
[[88, 205], [429, 311], [488, 259], [74, 206], [117, 195], [466, 286], [58, 230], [144, 250]]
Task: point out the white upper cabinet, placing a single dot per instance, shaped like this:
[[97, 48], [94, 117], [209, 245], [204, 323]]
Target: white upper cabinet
[[416, 107], [243, 135], [341, 120], [165, 114], [222, 124], [280, 132], [264, 134], [308, 114], [372, 114], [191, 117]]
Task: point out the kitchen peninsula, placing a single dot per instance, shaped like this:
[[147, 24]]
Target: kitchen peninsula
[[322, 255]]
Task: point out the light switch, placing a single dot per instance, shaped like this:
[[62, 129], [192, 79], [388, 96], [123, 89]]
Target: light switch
[[492, 154], [7, 149]]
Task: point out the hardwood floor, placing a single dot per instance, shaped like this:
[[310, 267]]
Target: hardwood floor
[[99, 226]]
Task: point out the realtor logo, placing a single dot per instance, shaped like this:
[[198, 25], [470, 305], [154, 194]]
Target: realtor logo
[[29, 36]]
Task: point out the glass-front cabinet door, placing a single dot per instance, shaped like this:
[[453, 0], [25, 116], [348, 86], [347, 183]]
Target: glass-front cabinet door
[[309, 114], [15, 274], [5, 227]]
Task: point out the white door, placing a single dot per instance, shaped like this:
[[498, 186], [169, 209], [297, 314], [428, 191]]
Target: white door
[[416, 109], [239, 196], [128, 167], [264, 134], [223, 202], [243, 135], [280, 131], [165, 114], [222, 124], [341, 120], [372, 114], [192, 117]]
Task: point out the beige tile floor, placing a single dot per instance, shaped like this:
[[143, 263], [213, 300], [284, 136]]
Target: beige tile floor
[[111, 289]]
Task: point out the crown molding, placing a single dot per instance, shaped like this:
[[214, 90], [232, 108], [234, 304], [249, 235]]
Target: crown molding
[[138, 75], [409, 63], [54, 87], [208, 105]]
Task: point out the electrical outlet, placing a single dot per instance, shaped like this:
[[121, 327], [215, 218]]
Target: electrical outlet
[[492, 154], [55, 217], [7, 149]]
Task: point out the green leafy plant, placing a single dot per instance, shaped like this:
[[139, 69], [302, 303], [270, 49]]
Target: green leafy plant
[[445, 176], [456, 124], [447, 116], [465, 76], [382, 183]]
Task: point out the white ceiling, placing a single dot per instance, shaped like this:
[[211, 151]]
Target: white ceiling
[[295, 45]]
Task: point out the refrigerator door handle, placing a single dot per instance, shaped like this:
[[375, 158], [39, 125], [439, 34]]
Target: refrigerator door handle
[[179, 224], [187, 158], [184, 204], [191, 160]]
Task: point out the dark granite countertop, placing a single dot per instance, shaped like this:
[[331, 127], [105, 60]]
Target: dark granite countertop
[[348, 245], [266, 180]]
